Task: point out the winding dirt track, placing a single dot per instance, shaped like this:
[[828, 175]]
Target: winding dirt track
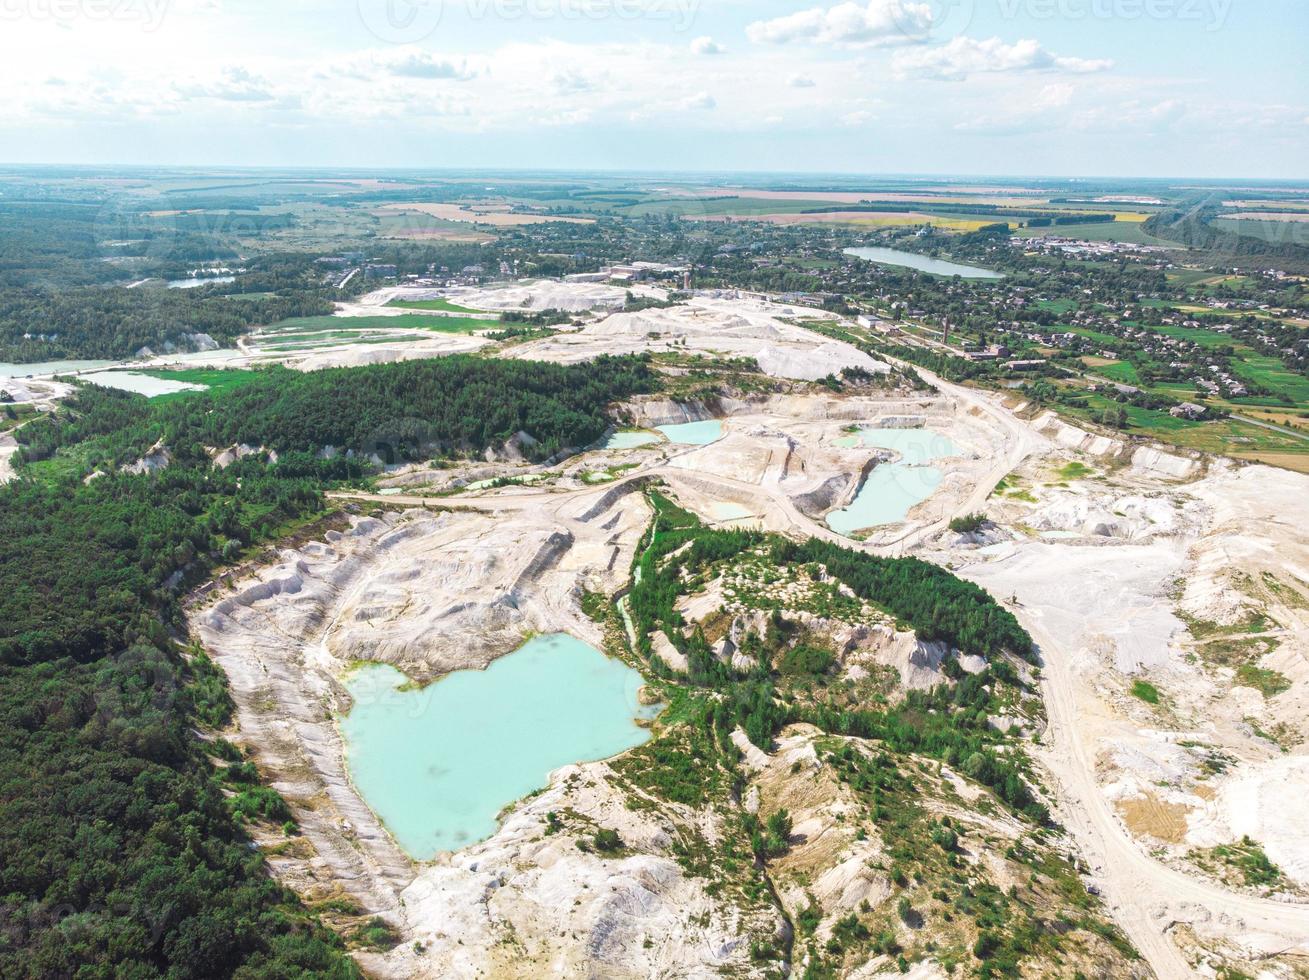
[[1145, 896]]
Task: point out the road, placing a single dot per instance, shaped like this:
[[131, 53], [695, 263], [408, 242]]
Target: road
[[1275, 428], [1145, 896]]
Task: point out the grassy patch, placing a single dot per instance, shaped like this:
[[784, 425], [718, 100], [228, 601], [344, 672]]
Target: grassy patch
[[1075, 471], [437, 305], [405, 321], [1269, 683], [1245, 862], [215, 379], [1146, 691]]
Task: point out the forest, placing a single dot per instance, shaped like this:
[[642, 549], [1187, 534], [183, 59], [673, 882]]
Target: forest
[[407, 411], [947, 723], [123, 857], [112, 323]]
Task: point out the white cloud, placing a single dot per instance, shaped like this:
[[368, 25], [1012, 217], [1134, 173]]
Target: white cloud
[[874, 24], [233, 85], [1054, 96], [707, 45], [800, 80], [423, 65], [570, 81], [700, 100], [964, 56], [860, 117], [403, 62]]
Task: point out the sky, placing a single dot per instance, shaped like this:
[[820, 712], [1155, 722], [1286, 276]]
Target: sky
[[1169, 88]]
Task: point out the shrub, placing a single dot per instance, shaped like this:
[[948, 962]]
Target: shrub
[[1146, 691], [968, 523]]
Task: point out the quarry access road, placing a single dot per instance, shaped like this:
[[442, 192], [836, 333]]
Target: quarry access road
[[1146, 897]]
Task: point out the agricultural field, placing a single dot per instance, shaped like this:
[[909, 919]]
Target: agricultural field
[[433, 305], [408, 321], [1128, 232]]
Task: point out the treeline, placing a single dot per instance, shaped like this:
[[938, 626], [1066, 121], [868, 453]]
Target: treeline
[[1037, 218], [1193, 226], [40, 325], [1070, 219], [934, 603], [122, 855], [950, 722], [409, 411]]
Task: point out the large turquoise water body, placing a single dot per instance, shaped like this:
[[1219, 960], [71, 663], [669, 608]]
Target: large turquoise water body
[[437, 764], [694, 433], [923, 263], [886, 497], [630, 440], [893, 489], [915, 446]]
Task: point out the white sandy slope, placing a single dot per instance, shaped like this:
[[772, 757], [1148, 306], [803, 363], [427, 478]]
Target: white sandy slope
[[709, 327]]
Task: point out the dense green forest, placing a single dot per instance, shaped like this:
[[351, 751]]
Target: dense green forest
[[64, 266], [1193, 225], [947, 723], [115, 323], [123, 857], [412, 410]]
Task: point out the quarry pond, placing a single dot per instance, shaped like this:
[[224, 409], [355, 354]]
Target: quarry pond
[[437, 764], [923, 263], [694, 433], [893, 489]]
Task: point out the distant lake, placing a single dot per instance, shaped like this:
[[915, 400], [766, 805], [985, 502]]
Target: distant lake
[[46, 368], [923, 263], [198, 281]]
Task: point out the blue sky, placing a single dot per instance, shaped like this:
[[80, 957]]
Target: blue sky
[[1204, 88]]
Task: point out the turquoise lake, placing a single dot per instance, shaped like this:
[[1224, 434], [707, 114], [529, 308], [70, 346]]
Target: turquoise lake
[[923, 263], [437, 764], [886, 497], [916, 446], [630, 440], [694, 433]]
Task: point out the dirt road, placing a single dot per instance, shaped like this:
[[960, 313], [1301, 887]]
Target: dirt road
[[1146, 897]]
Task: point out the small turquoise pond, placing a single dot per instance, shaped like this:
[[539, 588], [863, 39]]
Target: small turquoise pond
[[437, 764], [888, 494], [914, 445], [694, 433], [630, 440]]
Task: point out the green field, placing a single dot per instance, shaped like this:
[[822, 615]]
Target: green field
[[1197, 335], [1059, 306], [215, 379], [1129, 232], [438, 305], [1124, 372], [1227, 437], [1109, 340], [410, 321], [1271, 373]]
